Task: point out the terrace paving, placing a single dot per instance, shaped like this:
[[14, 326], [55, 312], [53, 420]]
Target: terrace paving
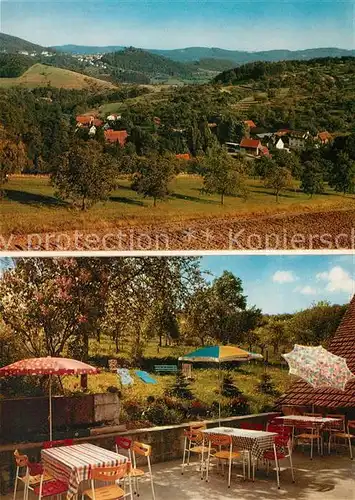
[[324, 478]]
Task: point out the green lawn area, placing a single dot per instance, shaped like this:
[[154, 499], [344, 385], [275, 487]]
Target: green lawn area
[[204, 384], [30, 206]]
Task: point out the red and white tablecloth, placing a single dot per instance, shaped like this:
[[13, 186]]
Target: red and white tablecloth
[[255, 442], [72, 464]]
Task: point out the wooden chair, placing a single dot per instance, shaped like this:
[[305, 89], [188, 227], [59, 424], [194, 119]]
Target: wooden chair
[[219, 441], [347, 435], [29, 480], [281, 449], [310, 434], [143, 450], [109, 475], [194, 443]]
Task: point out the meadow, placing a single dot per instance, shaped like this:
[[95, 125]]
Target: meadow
[[204, 384], [29, 206]]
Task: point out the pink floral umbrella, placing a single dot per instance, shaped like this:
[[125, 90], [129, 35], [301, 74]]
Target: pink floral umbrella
[[47, 366], [318, 367]]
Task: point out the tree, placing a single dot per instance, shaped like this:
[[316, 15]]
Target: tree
[[53, 304], [316, 325], [342, 175], [13, 159], [285, 159], [312, 179], [85, 175], [180, 387], [278, 179], [154, 174], [219, 312], [222, 174]]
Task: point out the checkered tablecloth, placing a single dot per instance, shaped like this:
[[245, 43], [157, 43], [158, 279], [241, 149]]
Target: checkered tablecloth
[[320, 423], [255, 442], [72, 464]]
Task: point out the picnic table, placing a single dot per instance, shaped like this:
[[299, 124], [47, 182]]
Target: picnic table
[[72, 464], [254, 442]]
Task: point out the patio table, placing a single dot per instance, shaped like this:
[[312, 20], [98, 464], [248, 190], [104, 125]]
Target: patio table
[[72, 464], [254, 442], [318, 422]]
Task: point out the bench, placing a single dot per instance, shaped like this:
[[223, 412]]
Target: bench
[[166, 368]]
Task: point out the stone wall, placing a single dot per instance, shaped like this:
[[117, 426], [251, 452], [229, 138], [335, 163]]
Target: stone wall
[[166, 441]]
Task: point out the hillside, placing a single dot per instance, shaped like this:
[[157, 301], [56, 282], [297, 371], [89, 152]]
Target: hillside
[[151, 65], [287, 72], [192, 54], [40, 75], [11, 43]]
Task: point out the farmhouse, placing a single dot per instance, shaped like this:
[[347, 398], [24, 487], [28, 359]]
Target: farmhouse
[[113, 117], [183, 156], [324, 137], [249, 124], [113, 136], [251, 146], [88, 121], [297, 139], [301, 394]]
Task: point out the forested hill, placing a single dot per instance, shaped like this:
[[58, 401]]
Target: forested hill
[[14, 65], [132, 59], [287, 71], [12, 44]]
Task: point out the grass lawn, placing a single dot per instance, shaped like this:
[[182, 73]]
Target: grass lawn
[[30, 206], [204, 384]]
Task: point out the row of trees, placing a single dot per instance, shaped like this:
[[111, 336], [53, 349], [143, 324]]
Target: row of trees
[[55, 306]]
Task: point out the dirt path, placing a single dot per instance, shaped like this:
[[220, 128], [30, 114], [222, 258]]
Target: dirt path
[[312, 230]]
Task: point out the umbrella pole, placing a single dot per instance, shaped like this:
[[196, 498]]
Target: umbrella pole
[[50, 409], [220, 394]]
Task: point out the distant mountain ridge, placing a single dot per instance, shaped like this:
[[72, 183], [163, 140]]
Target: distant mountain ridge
[[11, 43], [191, 54]]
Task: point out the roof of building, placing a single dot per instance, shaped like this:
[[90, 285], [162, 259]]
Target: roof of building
[[324, 136], [343, 344], [249, 123], [282, 132], [183, 156], [84, 119], [97, 122], [265, 151], [116, 136], [250, 143]]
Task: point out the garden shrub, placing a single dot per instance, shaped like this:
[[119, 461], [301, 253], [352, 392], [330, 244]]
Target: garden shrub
[[229, 389], [266, 385], [180, 388]]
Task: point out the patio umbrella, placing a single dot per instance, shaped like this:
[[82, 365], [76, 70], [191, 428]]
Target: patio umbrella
[[47, 366], [219, 354], [318, 367]]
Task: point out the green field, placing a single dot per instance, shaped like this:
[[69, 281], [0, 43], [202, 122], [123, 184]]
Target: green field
[[204, 384], [30, 206], [40, 75]]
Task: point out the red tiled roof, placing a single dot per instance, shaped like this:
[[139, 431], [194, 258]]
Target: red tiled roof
[[183, 156], [249, 123], [343, 344], [97, 122], [84, 119], [116, 136], [250, 143], [325, 136]]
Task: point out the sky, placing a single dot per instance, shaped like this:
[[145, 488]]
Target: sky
[[165, 24], [288, 283]]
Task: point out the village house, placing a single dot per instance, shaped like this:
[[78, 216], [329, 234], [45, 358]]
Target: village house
[[251, 146], [113, 117], [249, 124], [297, 139], [88, 121], [183, 156], [324, 137], [113, 136]]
